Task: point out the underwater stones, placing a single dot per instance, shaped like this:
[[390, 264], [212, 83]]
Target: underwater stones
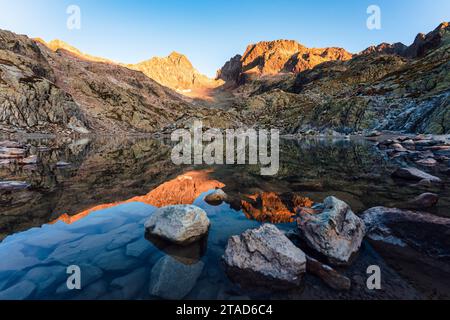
[[173, 280], [21, 291], [265, 255], [410, 173], [138, 249], [216, 198], [17, 260], [114, 261], [50, 240], [131, 284], [336, 233], [44, 277], [180, 224], [186, 254]]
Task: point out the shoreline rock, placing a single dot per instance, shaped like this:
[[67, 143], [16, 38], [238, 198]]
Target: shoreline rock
[[415, 174], [336, 233], [265, 257], [424, 201], [416, 230]]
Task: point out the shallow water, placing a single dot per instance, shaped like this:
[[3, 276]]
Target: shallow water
[[48, 227]]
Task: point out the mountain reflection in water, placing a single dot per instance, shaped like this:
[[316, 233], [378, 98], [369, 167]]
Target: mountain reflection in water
[[92, 214]]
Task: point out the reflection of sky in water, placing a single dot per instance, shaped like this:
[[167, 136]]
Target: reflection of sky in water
[[116, 260]]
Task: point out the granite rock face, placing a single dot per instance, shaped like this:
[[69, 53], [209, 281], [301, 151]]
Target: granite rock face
[[377, 90]]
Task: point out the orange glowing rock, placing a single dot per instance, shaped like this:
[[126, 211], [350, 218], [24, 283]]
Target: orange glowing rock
[[184, 189]]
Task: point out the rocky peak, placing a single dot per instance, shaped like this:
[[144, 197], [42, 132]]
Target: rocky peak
[[387, 48], [421, 46], [279, 56], [425, 43], [176, 72]]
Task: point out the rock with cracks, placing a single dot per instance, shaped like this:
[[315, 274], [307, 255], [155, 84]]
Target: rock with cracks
[[336, 233], [263, 257]]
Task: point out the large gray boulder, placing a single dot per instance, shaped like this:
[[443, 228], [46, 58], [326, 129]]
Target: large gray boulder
[[267, 254], [180, 224], [336, 233]]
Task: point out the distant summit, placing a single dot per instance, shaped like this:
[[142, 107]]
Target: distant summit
[[176, 72], [422, 44]]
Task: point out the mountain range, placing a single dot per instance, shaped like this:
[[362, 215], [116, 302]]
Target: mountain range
[[55, 88]]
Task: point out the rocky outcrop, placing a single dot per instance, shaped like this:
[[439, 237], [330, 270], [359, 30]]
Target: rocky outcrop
[[336, 232], [263, 256], [379, 90], [274, 57], [29, 99], [423, 44], [231, 70], [180, 224]]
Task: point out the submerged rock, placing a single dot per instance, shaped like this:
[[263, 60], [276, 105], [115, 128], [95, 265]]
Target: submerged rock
[[173, 280], [20, 291], [336, 233], [424, 201], [265, 255], [410, 173], [180, 224], [330, 276]]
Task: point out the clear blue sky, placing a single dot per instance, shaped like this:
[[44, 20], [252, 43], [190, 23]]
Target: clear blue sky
[[209, 32]]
